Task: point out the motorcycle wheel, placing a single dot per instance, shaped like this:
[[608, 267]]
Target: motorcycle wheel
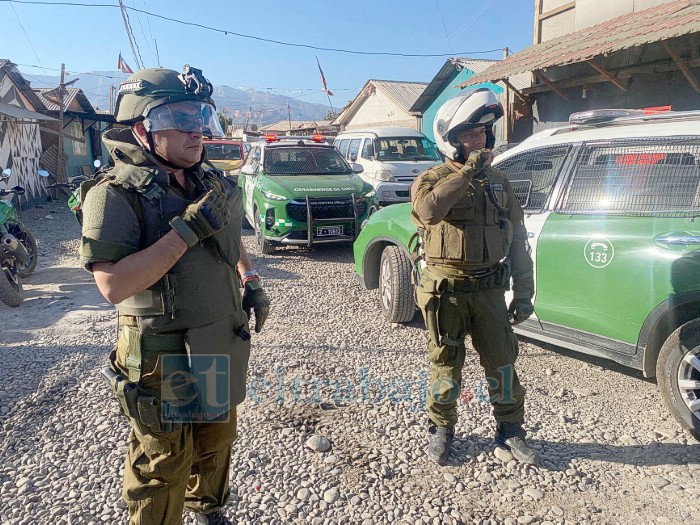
[[29, 242], [10, 288]]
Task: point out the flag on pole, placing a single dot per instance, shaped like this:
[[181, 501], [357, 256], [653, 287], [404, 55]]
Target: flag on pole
[[123, 66], [323, 79]]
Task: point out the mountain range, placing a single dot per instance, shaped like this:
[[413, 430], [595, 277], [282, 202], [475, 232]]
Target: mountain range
[[259, 107]]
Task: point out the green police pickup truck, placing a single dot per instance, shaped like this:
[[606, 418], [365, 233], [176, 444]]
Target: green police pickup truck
[[611, 210], [300, 191]]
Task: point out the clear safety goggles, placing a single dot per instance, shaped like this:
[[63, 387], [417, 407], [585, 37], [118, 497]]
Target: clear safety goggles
[[189, 116]]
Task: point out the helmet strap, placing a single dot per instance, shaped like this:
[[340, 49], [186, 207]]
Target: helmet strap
[[459, 157]]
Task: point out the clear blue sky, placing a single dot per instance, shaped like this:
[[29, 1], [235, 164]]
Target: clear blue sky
[[90, 39]]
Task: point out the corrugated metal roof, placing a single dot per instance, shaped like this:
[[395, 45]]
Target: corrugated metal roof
[[657, 23], [403, 93], [45, 95], [283, 125], [21, 83], [437, 84], [21, 113]]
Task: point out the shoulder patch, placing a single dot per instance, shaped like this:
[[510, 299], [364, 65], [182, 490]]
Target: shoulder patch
[[498, 186]]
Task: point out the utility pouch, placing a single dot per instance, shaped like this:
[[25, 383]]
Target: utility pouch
[[428, 294], [141, 408], [218, 356]]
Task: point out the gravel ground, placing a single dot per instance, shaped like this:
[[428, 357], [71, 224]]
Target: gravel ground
[[327, 366]]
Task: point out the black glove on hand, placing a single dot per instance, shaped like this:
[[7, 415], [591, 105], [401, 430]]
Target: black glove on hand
[[255, 298], [204, 217], [520, 310], [476, 162]]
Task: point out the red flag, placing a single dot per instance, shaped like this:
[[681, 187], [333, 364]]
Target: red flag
[[123, 66], [323, 79]]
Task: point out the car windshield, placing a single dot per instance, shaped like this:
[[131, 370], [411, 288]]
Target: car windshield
[[223, 151], [304, 161], [405, 148]]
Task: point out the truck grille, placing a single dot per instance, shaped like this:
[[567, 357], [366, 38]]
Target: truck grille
[[326, 208]]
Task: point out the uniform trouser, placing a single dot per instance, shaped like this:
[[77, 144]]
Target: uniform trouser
[[483, 315], [166, 471], [185, 468]]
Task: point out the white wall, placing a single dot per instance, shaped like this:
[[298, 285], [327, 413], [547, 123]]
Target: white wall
[[592, 12], [588, 13], [380, 110]]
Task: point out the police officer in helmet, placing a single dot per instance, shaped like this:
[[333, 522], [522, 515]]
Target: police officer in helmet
[[474, 242], [162, 238]]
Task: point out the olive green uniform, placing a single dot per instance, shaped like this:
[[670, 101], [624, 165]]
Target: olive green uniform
[[195, 309], [471, 249]]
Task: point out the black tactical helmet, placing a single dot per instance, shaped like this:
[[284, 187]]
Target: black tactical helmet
[[149, 88]]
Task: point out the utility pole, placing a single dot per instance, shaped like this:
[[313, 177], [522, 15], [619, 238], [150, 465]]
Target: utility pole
[[59, 173], [247, 118], [506, 105], [111, 99], [289, 118]]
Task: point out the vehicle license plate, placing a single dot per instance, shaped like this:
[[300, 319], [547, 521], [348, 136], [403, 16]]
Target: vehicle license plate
[[323, 231]]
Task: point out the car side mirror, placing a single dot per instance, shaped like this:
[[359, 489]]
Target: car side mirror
[[357, 168], [248, 169]]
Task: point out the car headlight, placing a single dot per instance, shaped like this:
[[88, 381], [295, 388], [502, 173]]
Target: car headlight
[[233, 173], [273, 196], [384, 175], [370, 194]]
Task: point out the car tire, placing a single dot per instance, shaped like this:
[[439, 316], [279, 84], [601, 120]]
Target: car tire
[[395, 289], [264, 247], [29, 242], [678, 375], [246, 225]]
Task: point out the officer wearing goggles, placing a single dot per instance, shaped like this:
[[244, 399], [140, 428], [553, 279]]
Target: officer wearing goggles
[[161, 236]]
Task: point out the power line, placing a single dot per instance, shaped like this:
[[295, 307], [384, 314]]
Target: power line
[[26, 35], [148, 43], [312, 91], [150, 32], [130, 34], [444, 27], [262, 39]]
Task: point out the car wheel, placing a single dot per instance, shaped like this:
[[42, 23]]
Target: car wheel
[[678, 375], [396, 291], [246, 224], [264, 247]]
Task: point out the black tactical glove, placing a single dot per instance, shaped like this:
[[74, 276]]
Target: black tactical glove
[[476, 162], [255, 298], [520, 310], [204, 217]]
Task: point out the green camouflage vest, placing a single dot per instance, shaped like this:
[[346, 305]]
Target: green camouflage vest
[[474, 233]]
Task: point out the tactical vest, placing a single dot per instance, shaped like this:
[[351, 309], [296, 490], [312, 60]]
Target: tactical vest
[[202, 286], [474, 233]]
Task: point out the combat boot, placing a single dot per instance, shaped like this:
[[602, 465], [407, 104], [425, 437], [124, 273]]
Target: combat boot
[[511, 436], [214, 518], [439, 442]]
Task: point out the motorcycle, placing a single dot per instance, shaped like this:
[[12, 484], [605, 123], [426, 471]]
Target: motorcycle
[[75, 201], [18, 249]]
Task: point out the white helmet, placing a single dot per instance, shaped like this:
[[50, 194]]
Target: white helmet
[[467, 109]]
